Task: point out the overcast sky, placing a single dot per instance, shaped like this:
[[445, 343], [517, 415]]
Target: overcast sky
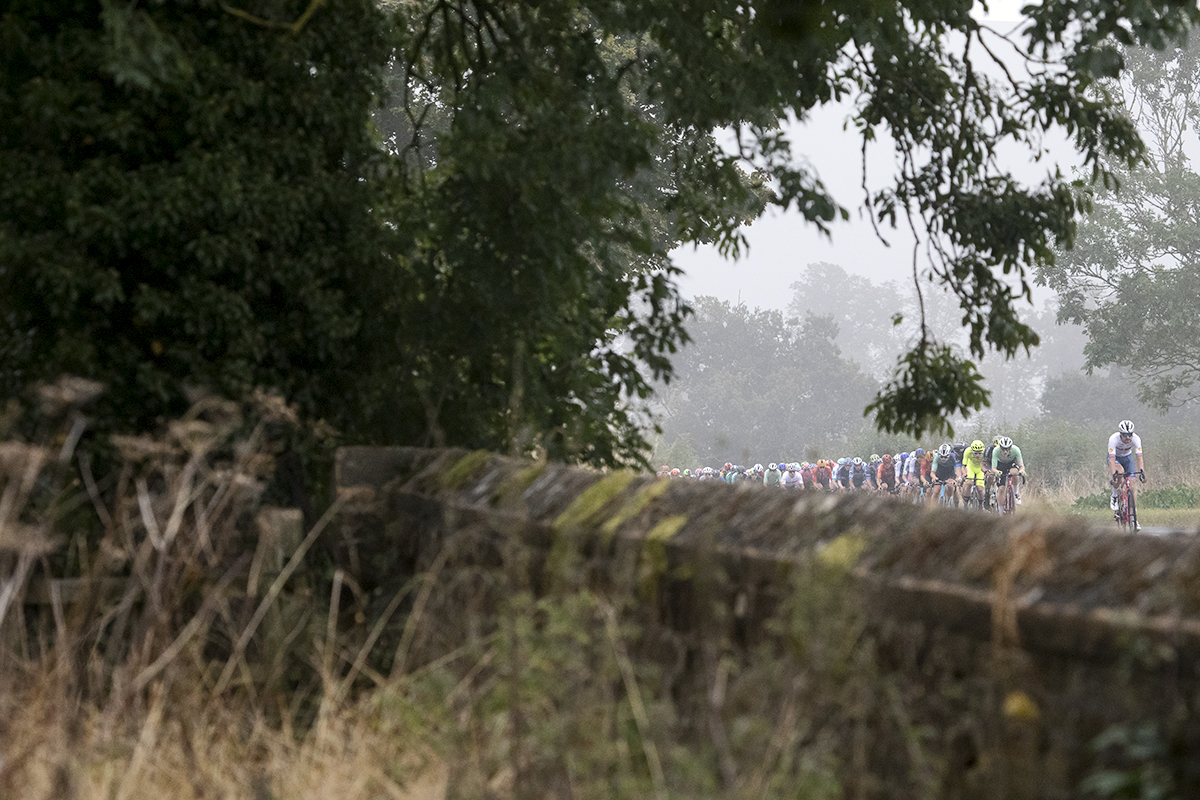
[[782, 244]]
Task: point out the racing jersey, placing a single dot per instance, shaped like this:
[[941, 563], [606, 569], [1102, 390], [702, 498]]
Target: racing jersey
[[944, 468], [972, 461], [1014, 457], [1121, 449], [792, 479]]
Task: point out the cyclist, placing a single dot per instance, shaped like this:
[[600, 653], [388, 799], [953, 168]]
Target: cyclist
[[772, 476], [858, 474], [792, 479], [872, 467], [1122, 447], [987, 452], [822, 475], [887, 474], [971, 472], [923, 459], [943, 470], [841, 475], [1005, 456]]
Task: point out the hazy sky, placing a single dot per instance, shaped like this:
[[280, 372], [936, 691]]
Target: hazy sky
[[782, 244]]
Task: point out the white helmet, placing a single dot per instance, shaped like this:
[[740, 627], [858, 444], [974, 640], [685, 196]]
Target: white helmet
[[857, 461], [1004, 443], [945, 450], [1126, 426]]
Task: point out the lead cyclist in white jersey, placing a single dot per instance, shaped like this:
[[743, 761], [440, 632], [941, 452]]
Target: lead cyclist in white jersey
[[1122, 447]]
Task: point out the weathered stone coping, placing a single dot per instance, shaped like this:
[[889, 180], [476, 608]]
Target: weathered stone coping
[[1050, 584]]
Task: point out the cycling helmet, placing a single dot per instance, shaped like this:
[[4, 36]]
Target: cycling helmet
[[758, 467], [920, 452], [687, 473], [857, 461], [996, 441], [874, 456], [1004, 443], [728, 465], [977, 446], [887, 457], [945, 450], [675, 471], [903, 456], [1126, 426]]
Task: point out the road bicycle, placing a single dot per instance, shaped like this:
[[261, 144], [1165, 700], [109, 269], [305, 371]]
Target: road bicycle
[[945, 499], [974, 495], [1126, 514], [1008, 493]]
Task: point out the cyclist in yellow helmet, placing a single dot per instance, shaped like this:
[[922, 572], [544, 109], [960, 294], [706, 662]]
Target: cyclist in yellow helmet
[[971, 473]]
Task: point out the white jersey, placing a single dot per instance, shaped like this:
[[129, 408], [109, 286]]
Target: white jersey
[[1118, 448], [792, 480]]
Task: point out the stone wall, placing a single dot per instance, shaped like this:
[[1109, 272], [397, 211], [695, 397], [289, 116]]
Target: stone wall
[[1012, 643]]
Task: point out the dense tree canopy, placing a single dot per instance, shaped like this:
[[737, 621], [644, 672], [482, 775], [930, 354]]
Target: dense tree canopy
[[193, 195], [1133, 275], [184, 203]]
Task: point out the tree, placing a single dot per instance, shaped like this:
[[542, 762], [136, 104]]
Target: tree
[[877, 322], [193, 195], [1132, 277], [756, 387], [186, 202], [536, 122]]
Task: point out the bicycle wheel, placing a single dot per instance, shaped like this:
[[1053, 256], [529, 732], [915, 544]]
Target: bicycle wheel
[[1123, 508], [1133, 523]]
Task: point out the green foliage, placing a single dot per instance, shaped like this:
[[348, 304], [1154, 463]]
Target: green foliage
[[1137, 768], [1097, 500], [1135, 266], [185, 203], [931, 385], [1177, 496], [194, 196], [1055, 450]]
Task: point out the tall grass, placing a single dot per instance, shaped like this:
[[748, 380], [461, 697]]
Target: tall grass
[[183, 648], [172, 652]]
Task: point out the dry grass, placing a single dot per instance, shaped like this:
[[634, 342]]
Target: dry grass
[[181, 746], [149, 691], [199, 657]]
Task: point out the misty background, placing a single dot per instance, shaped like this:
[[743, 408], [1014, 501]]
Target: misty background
[[793, 339]]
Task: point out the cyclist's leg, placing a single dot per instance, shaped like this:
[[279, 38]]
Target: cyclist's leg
[[1125, 465]]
